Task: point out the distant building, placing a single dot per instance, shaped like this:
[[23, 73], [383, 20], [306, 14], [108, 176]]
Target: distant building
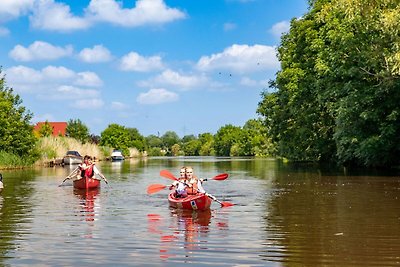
[[59, 128]]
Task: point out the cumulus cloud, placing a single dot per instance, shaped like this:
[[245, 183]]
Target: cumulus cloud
[[88, 78], [135, 62], [145, 12], [10, 9], [55, 16], [96, 54], [157, 96], [241, 59], [279, 28], [176, 79], [53, 82], [39, 51]]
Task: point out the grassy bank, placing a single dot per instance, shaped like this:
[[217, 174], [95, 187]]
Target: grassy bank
[[52, 148]]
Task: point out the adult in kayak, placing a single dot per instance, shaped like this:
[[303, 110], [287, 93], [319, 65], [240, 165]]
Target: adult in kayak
[[195, 184], [91, 170]]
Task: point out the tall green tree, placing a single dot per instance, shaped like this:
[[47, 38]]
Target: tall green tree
[[136, 139], [116, 136], [16, 132], [336, 96], [226, 138], [78, 130]]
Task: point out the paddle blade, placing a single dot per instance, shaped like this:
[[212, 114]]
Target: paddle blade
[[154, 188], [220, 177], [167, 174], [226, 204]]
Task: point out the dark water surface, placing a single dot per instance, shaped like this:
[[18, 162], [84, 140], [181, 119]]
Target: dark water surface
[[283, 216]]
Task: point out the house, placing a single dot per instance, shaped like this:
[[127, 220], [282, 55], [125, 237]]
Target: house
[[59, 128]]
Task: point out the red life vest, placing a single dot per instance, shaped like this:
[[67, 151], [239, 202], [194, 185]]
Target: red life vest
[[89, 173]]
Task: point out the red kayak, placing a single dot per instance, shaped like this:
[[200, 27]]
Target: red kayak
[[86, 183], [192, 202]]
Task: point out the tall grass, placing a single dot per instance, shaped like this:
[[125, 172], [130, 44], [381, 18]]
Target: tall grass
[[55, 148], [8, 160]]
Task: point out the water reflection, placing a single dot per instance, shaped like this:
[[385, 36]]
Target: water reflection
[[189, 228], [88, 205]]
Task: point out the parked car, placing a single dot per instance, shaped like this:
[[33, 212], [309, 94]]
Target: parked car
[[116, 155], [72, 157]]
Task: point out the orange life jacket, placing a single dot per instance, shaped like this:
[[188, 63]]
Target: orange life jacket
[[193, 189]]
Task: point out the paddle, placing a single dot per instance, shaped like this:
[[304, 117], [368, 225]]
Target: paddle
[[223, 204], [169, 175], [154, 188], [69, 176]]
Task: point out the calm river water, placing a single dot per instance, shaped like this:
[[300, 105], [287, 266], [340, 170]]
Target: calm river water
[[283, 216]]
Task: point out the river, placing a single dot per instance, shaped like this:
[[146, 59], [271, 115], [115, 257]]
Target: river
[[284, 215]]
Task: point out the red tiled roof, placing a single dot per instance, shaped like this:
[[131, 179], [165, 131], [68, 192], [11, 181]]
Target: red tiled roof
[[59, 128]]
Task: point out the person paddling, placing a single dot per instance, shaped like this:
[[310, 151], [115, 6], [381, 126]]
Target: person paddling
[[91, 170], [194, 184], [180, 185]]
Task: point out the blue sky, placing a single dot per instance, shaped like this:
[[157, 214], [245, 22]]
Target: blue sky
[[189, 66]]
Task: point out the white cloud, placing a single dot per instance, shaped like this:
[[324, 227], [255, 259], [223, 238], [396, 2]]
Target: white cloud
[[23, 75], [157, 96], [53, 82], [145, 12], [170, 77], [58, 73], [135, 62], [241, 59], [229, 26], [88, 103], [89, 79], [279, 28], [96, 54], [51, 15], [10, 9], [39, 51]]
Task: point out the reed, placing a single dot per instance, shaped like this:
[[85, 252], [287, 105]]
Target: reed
[[55, 147], [8, 160]]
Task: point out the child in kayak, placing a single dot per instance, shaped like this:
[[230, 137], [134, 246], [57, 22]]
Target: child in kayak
[[180, 185]]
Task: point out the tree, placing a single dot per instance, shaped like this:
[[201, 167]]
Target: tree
[[76, 129], [117, 137], [225, 138], [136, 139], [16, 132], [169, 139], [336, 96], [45, 130], [206, 144], [153, 141]]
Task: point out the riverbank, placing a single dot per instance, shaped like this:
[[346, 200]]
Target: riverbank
[[51, 151]]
